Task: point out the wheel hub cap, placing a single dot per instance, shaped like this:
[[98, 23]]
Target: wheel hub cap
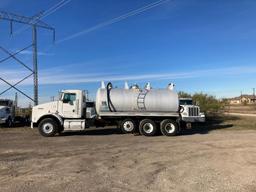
[[128, 126], [170, 128], [47, 128], [148, 128]]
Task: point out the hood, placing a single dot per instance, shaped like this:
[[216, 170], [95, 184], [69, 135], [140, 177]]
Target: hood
[[2, 107], [44, 105]]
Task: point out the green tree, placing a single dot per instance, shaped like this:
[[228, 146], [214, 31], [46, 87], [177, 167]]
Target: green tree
[[207, 103], [183, 94]]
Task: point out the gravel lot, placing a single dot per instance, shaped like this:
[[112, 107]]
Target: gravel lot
[[102, 161]]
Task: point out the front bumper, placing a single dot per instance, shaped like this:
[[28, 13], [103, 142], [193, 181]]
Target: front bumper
[[3, 120], [200, 119]]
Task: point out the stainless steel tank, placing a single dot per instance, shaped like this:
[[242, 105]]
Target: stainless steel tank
[[135, 99]]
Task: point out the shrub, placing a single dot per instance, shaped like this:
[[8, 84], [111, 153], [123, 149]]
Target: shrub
[[183, 94], [208, 103]]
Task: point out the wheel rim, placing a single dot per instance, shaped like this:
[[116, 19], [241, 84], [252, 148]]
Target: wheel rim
[[128, 126], [148, 128], [169, 128], [47, 128]]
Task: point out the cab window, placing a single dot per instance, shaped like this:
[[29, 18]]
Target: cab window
[[69, 98]]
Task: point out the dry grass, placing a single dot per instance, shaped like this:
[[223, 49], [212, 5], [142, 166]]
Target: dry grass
[[241, 109], [241, 123], [223, 123], [107, 161]]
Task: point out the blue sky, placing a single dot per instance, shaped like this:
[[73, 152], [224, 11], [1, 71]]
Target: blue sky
[[201, 46]]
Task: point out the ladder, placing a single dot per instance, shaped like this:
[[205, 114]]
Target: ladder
[[141, 100]]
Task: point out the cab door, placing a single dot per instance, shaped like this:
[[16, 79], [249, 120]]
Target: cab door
[[70, 105]]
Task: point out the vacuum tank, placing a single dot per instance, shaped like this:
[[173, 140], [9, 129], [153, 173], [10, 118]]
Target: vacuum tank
[[134, 99]]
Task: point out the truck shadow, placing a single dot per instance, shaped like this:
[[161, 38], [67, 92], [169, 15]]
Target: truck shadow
[[212, 123], [95, 132]]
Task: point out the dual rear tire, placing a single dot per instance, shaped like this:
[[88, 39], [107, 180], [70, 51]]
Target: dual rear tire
[[168, 127], [148, 127]]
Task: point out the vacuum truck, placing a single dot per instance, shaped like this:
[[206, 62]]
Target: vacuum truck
[[132, 109]]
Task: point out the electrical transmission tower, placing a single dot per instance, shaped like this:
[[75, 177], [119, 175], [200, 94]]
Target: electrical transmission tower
[[34, 23]]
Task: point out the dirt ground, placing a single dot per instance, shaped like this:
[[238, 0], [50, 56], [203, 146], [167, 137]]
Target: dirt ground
[[217, 158]]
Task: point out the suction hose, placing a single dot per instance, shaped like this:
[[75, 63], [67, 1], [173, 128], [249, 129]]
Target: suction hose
[[110, 104]]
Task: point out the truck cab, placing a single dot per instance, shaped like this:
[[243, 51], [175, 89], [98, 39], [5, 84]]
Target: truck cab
[[7, 112], [67, 113], [190, 112], [69, 105]]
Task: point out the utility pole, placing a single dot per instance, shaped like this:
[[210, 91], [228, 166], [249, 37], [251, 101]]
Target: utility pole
[[253, 90], [16, 100], [34, 38], [35, 23]]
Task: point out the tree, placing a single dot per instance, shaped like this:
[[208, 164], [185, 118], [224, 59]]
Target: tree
[[183, 94], [207, 103]]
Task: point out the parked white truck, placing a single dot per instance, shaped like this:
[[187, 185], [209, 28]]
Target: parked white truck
[[7, 112], [130, 108]]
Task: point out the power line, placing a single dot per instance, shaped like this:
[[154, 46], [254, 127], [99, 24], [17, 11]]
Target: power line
[[44, 14], [54, 9], [115, 20]]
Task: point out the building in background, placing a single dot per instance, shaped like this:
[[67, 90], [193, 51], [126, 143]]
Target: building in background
[[248, 99]]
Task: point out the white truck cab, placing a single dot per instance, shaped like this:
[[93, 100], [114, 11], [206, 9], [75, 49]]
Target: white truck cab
[[190, 112], [67, 112], [6, 112], [69, 105]]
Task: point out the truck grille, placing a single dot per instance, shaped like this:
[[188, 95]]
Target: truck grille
[[193, 111]]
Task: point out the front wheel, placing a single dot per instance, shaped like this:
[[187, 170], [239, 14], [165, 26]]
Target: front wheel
[[9, 122], [169, 127], [48, 127]]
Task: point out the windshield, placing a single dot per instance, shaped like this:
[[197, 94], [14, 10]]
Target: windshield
[[5, 103], [186, 102]]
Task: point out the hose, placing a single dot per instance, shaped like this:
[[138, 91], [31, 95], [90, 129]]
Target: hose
[[110, 104]]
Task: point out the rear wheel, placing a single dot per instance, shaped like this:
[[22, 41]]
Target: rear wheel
[[169, 127], [127, 126], [48, 127], [147, 127]]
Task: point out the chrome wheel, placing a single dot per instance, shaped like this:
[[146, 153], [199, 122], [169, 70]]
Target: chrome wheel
[[170, 128], [128, 126], [48, 128], [148, 128]]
